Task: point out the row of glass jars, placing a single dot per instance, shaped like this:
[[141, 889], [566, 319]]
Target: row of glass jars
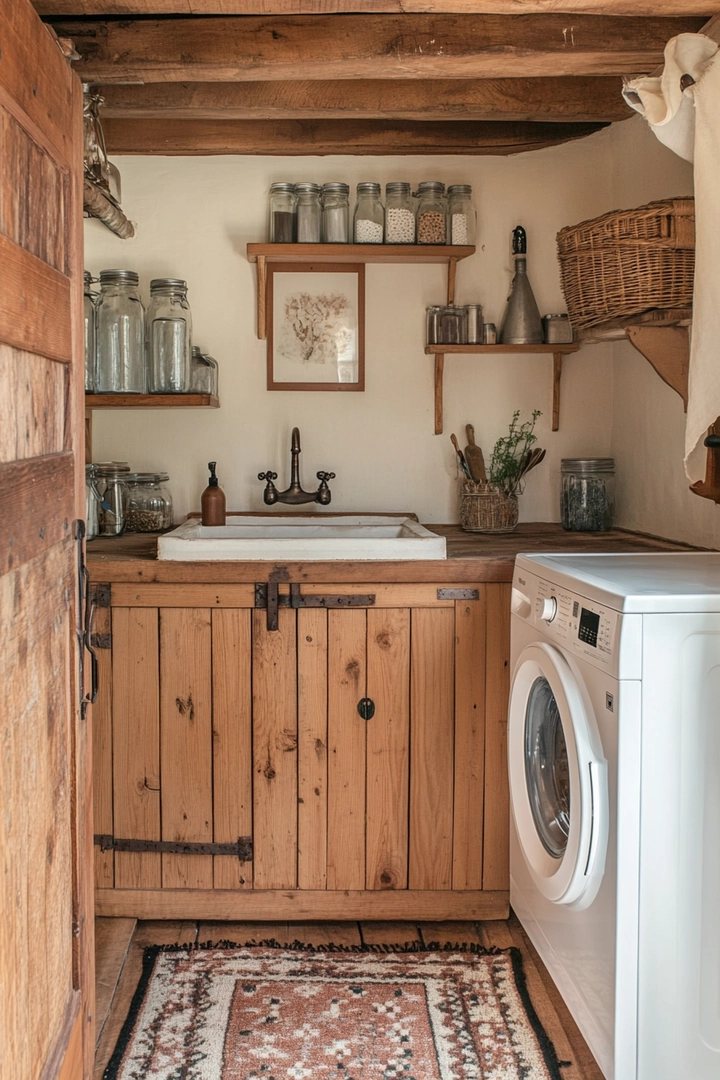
[[456, 325], [310, 214], [129, 350], [118, 500]]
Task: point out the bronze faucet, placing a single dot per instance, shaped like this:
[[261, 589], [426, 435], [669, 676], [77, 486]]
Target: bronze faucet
[[295, 494]]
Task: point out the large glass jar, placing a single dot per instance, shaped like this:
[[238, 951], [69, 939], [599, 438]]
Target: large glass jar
[[462, 217], [120, 357], [587, 500], [169, 333], [282, 214], [335, 213], [92, 503], [308, 213], [111, 480], [149, 507], [90, 298], [203, 373], [453, 326], [431, 213], [369, 219], [399, 213]]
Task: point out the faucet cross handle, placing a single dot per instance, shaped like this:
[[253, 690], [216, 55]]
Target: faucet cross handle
[[325, 476], [269, 476]]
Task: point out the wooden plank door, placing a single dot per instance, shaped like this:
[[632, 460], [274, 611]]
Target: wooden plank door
[[46, 933]]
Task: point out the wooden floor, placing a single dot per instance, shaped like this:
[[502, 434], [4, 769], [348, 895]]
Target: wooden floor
[[120, 944]]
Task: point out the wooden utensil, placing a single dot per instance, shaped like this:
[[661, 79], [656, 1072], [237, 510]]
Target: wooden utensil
[[474, 456], [461, 457], [533, 458]]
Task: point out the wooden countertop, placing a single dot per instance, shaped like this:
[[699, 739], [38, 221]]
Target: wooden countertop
[[472, 557]]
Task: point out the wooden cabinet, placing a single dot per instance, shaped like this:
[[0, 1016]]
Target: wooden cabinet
[[358, 751]]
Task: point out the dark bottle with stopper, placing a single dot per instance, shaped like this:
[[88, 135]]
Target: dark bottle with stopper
[[522, 324], [213, 500]]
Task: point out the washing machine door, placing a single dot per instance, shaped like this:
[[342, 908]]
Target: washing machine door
[[558, 778]]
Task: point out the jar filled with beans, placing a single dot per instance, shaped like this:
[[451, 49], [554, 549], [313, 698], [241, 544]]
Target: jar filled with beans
[[431, 213], [369, 219], [399, 213], [149, 507]]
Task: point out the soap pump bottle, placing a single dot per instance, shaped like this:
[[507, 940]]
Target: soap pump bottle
[[213, 500], [522, 324]]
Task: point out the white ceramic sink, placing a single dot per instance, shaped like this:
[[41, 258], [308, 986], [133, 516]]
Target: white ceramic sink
[[301, 537]]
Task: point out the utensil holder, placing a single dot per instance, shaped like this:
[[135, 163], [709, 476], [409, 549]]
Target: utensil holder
[[484, 509]]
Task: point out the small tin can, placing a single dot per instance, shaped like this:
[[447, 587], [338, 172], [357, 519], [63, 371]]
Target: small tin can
[[557, 329], [489, 334]]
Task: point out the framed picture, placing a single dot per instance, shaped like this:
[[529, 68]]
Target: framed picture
[[316, 326]]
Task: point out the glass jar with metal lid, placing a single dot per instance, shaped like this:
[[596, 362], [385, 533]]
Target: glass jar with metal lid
[[92, 503], [369, 218], [462, 218], [120, 341], [111, 479], [453, 326], [169, 333], [587, 500], [335, 213], [90, 316], [282, 214], [308, 212], [431, 213], [399, 213], [149, 507]]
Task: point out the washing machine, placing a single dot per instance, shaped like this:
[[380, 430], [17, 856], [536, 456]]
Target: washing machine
[[614, 768]]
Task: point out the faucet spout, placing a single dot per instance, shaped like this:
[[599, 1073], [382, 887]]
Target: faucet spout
[[295, 461], [294, 495]]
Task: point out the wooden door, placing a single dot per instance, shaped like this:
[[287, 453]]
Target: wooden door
[[46, 933]]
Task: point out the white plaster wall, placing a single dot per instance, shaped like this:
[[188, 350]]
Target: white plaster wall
[[194, 218]]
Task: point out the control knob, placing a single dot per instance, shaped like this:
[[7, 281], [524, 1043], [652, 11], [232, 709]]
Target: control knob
[[549, 609]]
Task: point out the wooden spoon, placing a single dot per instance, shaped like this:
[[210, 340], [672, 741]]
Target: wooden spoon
[[474, 456]]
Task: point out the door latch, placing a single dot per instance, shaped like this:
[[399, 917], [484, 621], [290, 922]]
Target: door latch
[[267, 596]]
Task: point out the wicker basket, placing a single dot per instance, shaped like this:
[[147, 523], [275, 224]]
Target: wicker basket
[[628, 261], [486, 510]]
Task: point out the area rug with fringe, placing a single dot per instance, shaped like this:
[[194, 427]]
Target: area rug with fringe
[[366, 1013]]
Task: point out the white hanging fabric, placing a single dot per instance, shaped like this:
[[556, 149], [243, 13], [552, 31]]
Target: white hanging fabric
[[687, 120]]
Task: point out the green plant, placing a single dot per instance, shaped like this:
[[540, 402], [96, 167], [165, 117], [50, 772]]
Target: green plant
[[510, 455]]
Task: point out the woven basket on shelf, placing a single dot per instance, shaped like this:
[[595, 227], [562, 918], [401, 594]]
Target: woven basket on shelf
[[628, 261], [485, 509]]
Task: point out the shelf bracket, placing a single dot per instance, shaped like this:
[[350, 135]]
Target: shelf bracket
[[557, 375], [439, 372], [667, 348], [261, 297]]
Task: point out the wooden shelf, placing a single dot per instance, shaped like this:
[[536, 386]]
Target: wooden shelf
[[151, 401], [557, 351]]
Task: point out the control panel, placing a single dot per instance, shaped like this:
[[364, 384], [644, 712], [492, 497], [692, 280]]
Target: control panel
[[578, 624]]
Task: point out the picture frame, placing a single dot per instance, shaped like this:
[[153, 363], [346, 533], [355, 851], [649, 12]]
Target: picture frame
[[316, 326]]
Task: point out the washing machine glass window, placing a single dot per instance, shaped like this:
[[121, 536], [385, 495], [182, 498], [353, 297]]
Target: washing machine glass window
[[547, 771]]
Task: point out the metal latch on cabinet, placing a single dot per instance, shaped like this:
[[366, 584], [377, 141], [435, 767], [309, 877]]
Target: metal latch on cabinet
[[241, 849], [268, 596]]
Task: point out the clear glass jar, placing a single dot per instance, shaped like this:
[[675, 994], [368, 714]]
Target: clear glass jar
[[169, 334], [120, 355], [308, 213], [474, 314], [335, 213], [149, 506], [453, 326], [89, 336], [431, 213], [587, 500], [462, 217], [399, 213], [432, 324], [111, 479], [369, 217], [282, 214], [92, 503], [203, 373]]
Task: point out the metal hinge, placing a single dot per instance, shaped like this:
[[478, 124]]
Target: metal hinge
[[267, 596], [458, 594], [101, 641], [100, 594], [241, 849]]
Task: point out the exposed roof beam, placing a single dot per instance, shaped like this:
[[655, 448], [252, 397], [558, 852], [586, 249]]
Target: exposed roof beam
[[105, 8], [367, 47], [582, 99], [307, 137]]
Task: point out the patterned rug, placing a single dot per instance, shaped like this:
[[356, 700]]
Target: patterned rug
[[271, 1013]]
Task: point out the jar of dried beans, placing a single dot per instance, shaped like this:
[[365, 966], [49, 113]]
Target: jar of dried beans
[[399, 213], [462, 217], [149, 507], [431, 213], [369, 219]]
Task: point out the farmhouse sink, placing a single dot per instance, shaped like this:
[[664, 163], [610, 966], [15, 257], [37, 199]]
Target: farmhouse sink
[[300, 537]]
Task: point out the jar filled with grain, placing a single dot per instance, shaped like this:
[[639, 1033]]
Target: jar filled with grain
[[282, 213], [308, 213], [462, 217], [335, 214], [587, 499], [431, 213], [369, 217], [149, 507], [399, 213]]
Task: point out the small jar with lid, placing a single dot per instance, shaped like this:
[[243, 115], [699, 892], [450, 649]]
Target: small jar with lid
[[111, 480], [369, 218], [399, 213], [282, 213], [432, 324], [587, 500], [120, 339], [453, 326], [431, 213], [462, 218], [169, 335], [92, 503], [335, 213], [90, 316], [203, 373], [308, 213], [149, 507]]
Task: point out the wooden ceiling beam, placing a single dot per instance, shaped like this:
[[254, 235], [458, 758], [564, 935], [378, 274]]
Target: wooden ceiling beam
[[367, 47], [320, 137], [634, 8], [583, 99]]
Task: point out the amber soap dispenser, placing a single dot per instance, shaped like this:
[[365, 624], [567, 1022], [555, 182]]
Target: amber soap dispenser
[[212, 502]]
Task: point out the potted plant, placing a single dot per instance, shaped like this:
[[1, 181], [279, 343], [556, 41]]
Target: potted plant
[[493, 506]]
